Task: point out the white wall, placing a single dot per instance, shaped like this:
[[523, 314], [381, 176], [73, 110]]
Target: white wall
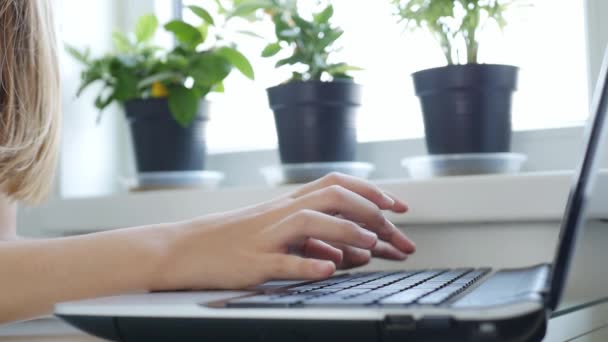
[[94, 156], [597, 36]]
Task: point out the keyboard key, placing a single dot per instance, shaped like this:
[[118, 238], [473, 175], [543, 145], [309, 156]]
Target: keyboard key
[[427, 286], [433, 299], [332, 300], [364, 287], [303, 288], [317, 293], [350, 292], [405, 297]]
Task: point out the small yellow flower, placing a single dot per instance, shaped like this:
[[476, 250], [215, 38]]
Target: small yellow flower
[[159, 90]]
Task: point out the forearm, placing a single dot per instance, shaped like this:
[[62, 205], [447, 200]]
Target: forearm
[[35, 274]]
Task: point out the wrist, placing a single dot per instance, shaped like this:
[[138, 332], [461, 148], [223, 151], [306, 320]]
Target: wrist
[[166, 242]]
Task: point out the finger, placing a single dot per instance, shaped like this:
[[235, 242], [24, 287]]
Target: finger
[[398, 239], [318, 249], [356, 185], [400, 206], [292, 267], [387, 251], [306, 224], [338, 200], [353, 256]]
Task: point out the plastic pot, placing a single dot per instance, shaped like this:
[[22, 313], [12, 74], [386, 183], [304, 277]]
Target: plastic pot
[[467, 108], [316, 121], [160, 143]]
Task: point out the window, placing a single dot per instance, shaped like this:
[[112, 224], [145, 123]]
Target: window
[[547, 41]]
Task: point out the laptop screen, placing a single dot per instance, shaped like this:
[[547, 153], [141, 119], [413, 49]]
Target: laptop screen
[[585, 202]]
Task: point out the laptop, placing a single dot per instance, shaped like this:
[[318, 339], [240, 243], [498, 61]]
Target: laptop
[[465, 304]]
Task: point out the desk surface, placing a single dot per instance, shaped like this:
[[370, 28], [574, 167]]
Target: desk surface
[[585, 324]]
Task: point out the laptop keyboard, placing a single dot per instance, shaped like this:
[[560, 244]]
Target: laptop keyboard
[[425, 287]]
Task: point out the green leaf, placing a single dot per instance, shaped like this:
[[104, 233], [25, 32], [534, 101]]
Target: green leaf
[[146, 27], [185, 33], [341, 68], [296, 58], [329, 39], [238, 60], [104, 99], [161, 76], [248, 7], [85, 84], [271, 50], [183, 104], [125, 60], [219, 88], [202, 13], [204, 30], [325, 15], [208, 69], [176, 62], [220, 7], [296, 76], [302, 23], [290, 33], [126, 86], [82, 57], [121, 42], [249, 33]]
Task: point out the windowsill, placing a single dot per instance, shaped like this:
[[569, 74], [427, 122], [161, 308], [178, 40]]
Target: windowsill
[[525, 197]]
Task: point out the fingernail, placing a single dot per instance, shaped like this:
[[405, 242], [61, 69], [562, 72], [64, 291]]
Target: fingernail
[[413, 250], [401, 255], [325, 268], [389, 201]]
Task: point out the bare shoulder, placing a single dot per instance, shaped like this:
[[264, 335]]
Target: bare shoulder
[[8, 218]]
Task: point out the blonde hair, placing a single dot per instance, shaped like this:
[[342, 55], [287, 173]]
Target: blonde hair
[[30, 101]]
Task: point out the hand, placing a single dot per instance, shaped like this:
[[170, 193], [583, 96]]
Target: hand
[[334, 222]]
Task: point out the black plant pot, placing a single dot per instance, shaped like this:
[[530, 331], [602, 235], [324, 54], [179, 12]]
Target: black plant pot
[[467, 108], [160, 143], [316, 121]]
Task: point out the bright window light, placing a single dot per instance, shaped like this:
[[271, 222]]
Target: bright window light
[[547, 41]]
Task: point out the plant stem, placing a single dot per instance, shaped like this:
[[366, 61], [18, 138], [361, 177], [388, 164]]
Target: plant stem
[[472, 51], [446, 46]]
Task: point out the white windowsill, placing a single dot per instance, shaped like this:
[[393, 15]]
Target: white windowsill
[[526, 197]]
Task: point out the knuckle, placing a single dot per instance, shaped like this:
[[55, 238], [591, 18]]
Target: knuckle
[[304, 216], [375, 193], [350, 228], [333, 178], [377, 217], [336, 192]]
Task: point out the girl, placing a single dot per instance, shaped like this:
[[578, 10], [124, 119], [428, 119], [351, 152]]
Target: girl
[[334, 222]]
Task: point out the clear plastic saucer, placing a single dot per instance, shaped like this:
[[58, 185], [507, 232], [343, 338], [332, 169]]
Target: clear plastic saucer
[[307, 172], [463, 164], [174, 180]]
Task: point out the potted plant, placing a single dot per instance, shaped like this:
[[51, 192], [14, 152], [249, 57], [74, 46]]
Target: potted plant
[[163, 90], [315, 110], [466, 105]]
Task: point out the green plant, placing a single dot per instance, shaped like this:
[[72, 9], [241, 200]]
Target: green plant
[[454, 23], [184, 74], [310, 42]]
